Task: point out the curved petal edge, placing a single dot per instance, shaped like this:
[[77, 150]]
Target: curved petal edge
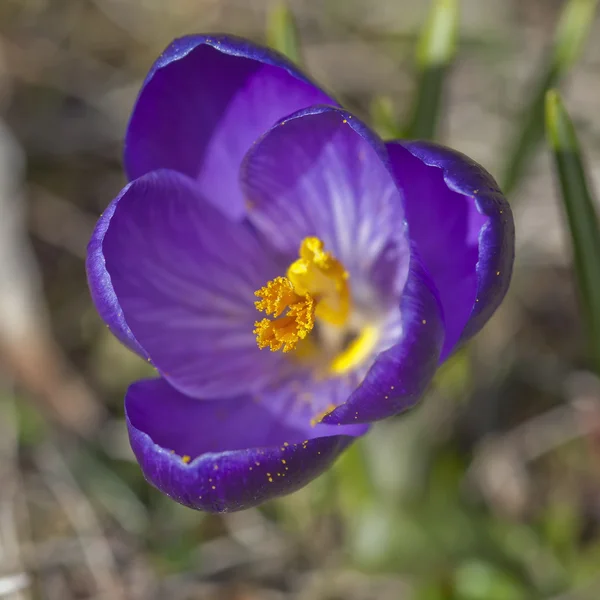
[[496, 240], [225, 480], [203, 103], [100, 284]]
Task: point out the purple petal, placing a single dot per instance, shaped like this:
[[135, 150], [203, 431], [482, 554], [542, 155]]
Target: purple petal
[[239, 451], [462, 227], [400, 374], [322, 173], [204, 102], [101, 287], [183, 278]]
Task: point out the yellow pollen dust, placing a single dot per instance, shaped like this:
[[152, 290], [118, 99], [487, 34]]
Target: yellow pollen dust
[[315, 286]]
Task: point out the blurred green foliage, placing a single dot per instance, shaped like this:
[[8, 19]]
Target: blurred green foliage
[[571, 34], [435, 51], [581, 216], [281, 33]]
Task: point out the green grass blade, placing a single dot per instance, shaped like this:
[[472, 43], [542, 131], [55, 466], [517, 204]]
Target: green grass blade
[[282, 33], [383, 120], [581, 216], [435, 51], [571, 33]]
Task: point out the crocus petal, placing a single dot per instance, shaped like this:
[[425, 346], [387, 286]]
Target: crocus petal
[[187, 297], [101, 287], [228, 454], [401, 373], [462, 227], [204, 102], [321, 172]]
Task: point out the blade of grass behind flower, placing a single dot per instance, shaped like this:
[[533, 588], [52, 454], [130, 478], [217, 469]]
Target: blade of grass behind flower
[[435, 51], [581, 216], [382, 118], [282, 33], [571, 33]]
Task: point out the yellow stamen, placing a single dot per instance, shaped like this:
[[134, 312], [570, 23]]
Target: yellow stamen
[[318, 273], [288, 330], [276, 296], [357, 351], [316, 286]]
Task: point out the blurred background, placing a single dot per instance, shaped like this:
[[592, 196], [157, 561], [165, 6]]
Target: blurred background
[[489, 490]]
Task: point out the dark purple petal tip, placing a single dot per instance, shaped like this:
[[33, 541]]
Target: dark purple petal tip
[[463, 228], [227, 44], [223, 455]]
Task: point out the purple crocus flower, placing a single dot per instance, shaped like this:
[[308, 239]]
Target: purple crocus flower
[[290, 276]]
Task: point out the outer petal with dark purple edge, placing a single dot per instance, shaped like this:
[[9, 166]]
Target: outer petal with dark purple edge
[[462, 227], [241, 451], [323, 172], [204, 102], [101, 288], [186, 295]]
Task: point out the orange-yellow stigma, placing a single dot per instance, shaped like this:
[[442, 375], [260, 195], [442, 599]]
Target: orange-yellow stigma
[[315, 286]]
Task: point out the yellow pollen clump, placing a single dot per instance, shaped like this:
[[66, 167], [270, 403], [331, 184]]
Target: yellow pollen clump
[[316, 286], [277, 296]]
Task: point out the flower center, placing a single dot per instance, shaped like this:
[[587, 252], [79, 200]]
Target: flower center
[[315, 286]]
